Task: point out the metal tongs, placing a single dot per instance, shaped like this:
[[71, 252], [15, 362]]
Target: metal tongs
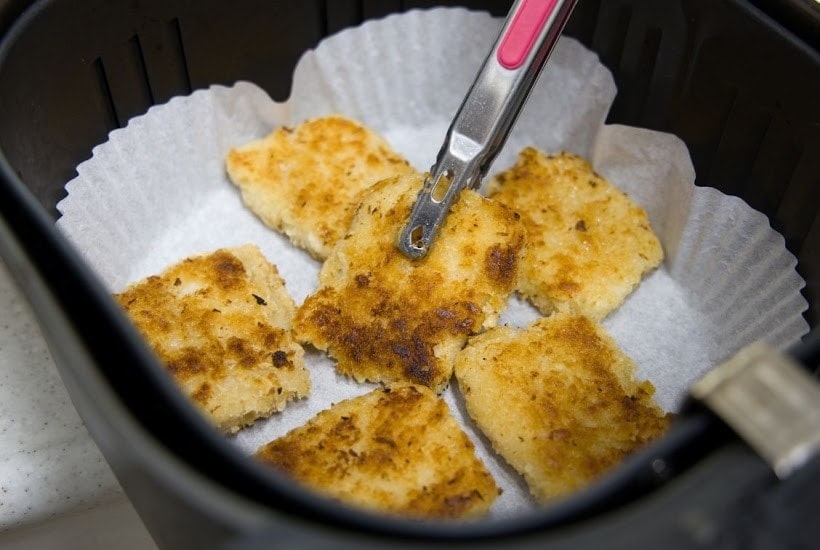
[[486, 115]]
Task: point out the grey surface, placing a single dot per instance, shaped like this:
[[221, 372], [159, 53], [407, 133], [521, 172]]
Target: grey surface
[[49, 465]]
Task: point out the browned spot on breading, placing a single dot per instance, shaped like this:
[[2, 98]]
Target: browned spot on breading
[[502, 263], [242, 352], [189, 362], [229, 269], [403, 345], [280, 359], [568, 287], [203, 394]]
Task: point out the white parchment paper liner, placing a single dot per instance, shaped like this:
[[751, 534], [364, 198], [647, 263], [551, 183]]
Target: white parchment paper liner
[[157, 192]]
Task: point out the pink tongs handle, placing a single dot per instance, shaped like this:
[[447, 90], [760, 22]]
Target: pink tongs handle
[[529, 18]]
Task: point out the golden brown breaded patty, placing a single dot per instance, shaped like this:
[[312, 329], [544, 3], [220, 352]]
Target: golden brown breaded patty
[[588, 246], [221, 324], [386, 318], [395, 450], [305, 181], [558, 400]]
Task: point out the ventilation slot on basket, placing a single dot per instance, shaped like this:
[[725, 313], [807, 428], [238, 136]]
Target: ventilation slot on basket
[[743, 131], [338, 15], [610, 34], [112, 121], [773, 170], [644, 48], [165, 61], [149, 68], [639, 69], [797, 207]]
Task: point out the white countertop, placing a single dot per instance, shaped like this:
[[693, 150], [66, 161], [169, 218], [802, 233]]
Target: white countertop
[[50, 468]]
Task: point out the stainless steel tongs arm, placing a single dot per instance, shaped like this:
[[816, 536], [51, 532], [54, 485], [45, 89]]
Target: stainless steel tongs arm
[[486, 115]]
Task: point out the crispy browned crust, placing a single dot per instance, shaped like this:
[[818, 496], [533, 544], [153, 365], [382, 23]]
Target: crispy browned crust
[[394, 450], [221, 324], [386, 318], [558, 400], [589, 245], [306, 181]]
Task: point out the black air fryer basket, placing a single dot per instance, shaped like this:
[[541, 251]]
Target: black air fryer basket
[[737, 81]]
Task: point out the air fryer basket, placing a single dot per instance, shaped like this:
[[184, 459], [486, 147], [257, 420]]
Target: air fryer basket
[[734, 83]]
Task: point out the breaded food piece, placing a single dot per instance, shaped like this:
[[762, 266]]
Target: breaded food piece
[[305, 182], [558, 400], [221, 324], [396, 450], [387, 318], [589, 245]]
